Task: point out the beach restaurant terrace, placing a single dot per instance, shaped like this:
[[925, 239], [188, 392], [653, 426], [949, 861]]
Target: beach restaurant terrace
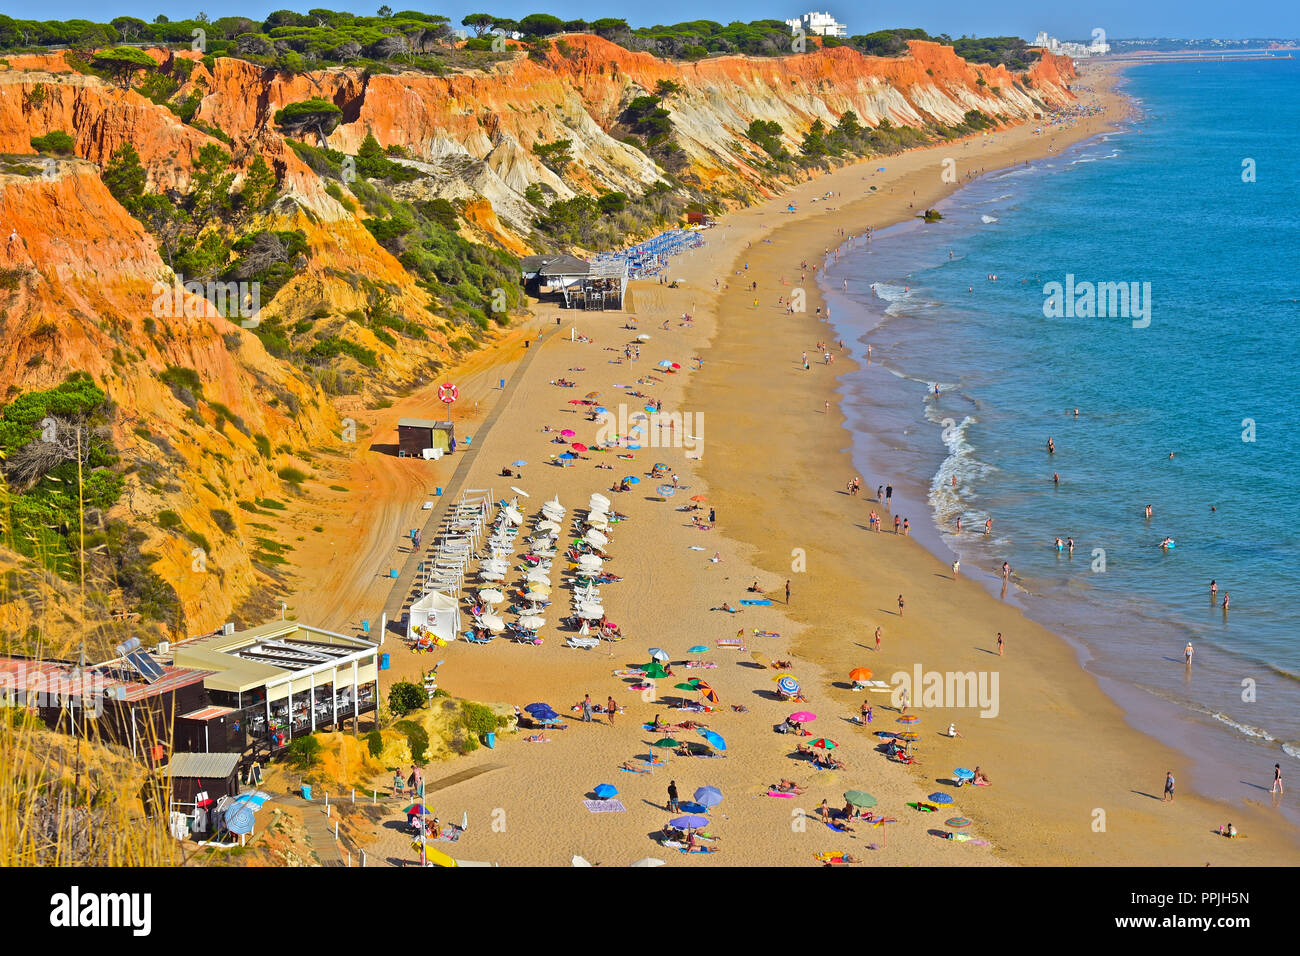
[[282, 680], [596, 286]]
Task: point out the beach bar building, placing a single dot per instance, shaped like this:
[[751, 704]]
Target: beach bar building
[[216, 774], [134, 701], [579, 284], [279, 681], [424, 438]]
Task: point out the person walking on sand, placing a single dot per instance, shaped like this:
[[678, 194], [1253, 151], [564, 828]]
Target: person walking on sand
[[903, 701], [586, 709], [956, 569], [889, 493], [900, 605], [672, 796], [880, 493], [1169, 787], [897, 523], [1277, 779], [1001, 644], [611, 708], [787, 591], [1188, 651], [878, 629]]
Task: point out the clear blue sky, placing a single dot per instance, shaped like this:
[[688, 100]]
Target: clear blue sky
[[1119, 18]]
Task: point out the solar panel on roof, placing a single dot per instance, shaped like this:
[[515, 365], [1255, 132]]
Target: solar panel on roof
[[145, 666], [140, 660]]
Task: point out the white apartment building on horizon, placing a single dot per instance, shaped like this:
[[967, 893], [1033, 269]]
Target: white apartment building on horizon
[[1082, 50], [818, 24]]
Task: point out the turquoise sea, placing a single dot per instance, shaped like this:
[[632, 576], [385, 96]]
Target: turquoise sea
[[1209, 374]]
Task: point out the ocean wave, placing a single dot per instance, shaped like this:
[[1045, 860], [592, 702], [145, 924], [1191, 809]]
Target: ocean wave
[[1291, 750], [1247, 729], [890, 293], [1004, 196], [948, 498], [988, 219]]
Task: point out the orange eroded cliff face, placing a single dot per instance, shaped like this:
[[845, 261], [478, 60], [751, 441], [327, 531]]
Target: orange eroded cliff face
[[82, 296], [80, 273]]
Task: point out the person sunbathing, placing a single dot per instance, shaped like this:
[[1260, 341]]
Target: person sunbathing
[[787, 786], [981, 779], [806, 750], [538, 739], [754, 588], [782, 665], [740, 708]]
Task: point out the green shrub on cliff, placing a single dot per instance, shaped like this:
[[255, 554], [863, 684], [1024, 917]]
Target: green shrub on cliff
[[55, 141]]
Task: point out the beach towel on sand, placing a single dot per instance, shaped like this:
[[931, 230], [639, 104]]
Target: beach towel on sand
[[763, 602], [604, 806], [778, 793]]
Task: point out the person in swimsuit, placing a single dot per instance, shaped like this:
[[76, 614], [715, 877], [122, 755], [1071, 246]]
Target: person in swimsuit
[[1169, 787]]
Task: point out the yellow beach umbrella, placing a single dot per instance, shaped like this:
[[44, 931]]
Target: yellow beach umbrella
[[779, 676]]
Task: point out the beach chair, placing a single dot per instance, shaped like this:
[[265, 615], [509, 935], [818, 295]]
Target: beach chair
[[469, 636], [731, 643], [584, 643]]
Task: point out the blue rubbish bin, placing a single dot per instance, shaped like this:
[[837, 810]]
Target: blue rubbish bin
[[365, 627], [392, 572], [306, 791], [383, 661], [491, 740]]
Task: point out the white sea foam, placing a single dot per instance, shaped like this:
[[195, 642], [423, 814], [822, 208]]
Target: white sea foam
[[949, 500], [1246, 729], [890, 293], [988, 219]]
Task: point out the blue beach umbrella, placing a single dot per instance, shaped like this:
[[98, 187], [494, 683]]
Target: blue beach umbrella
[[520, 463], [709, 796], [788, 685], [632, 480], [650, 408], [715, 740], [692, 807], [568, 455], [698, 649], [602, 410], [940, 797], [634, 447], [531, 708], [690, 822], [961, 773], [666, 490], [605, 791]]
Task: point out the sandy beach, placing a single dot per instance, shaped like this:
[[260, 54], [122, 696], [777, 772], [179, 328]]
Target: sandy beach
[[1072, 782]]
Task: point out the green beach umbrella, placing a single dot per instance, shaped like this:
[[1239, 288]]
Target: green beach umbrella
[[667, 742], [698, 649], [654, 670], [860, 799], [683, 686]]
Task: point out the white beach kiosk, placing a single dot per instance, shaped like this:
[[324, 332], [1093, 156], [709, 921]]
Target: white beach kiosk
[[435, 613]]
